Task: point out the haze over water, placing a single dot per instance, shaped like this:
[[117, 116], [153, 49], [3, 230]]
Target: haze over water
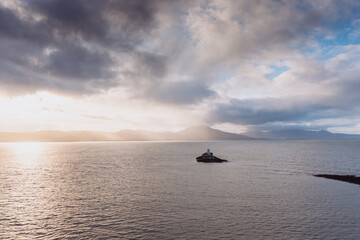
[[156, 190]]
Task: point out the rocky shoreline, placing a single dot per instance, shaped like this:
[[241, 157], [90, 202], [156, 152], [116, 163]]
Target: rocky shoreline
[[345, 178]]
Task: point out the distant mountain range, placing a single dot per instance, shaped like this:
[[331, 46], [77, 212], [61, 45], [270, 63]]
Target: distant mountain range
[[298, 134], [192, 133]]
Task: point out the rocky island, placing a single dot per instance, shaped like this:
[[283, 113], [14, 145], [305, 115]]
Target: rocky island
[[208, 157], [344, 178]]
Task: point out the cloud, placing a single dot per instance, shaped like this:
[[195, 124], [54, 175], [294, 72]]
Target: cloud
[[311, 90], [182, 93], [77, 41], [256, 112], [77, 62], [97, 117], [226, 55]]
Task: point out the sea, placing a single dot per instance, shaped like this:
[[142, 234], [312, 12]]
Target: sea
[[157, 190]]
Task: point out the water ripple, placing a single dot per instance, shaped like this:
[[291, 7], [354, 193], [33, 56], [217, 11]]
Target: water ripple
[[155, 191]]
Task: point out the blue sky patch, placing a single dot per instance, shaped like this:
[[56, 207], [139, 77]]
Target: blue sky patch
[[276, 71]]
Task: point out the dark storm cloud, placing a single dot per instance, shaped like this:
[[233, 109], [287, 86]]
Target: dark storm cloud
[[118, 23], [12, 27], [72, 40], [73, 17]]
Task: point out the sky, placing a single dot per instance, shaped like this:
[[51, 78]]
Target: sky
[[161, 65]]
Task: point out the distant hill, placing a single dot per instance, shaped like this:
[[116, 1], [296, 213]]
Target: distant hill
[[293, 134], [207, 133], [141, 135], [192, 133]]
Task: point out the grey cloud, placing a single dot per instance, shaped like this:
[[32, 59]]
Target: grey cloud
[[79, 63], [181, 93], [83, 35], [295, 110], [234, 32], [73, 17], [268, 115], [255, 112], [140, 45], [12, 27], [116, 23], [151, 65]]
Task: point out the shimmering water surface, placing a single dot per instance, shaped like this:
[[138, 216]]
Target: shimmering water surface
[[156, 190]]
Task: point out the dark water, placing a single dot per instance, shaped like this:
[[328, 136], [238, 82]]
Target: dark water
[[156, 190]]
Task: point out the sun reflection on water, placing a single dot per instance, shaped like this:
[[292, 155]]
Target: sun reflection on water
[[27, 153]]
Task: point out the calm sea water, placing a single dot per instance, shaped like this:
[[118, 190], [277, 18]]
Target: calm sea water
[[156, 190]]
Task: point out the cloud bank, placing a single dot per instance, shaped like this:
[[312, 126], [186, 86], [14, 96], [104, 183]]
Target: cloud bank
[[260, 64]]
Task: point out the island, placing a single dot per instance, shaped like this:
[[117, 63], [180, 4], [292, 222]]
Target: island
[[208, 157], [345, 178]]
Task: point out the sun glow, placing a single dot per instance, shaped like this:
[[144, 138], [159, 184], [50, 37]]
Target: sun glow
[[25, 106], [27, 154], [23, 113], [44, 111]]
